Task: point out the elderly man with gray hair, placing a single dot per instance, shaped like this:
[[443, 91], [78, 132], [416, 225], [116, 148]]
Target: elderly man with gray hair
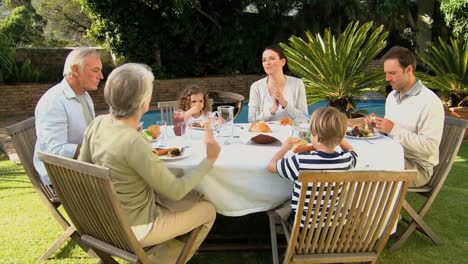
[[159, 205], [65, 110]]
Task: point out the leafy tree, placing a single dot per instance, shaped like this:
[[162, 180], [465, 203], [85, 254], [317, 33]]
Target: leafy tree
[[456, 15], [24, 26], [67, 22]]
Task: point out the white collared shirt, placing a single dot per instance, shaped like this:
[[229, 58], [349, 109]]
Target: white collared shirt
[[60, 124]]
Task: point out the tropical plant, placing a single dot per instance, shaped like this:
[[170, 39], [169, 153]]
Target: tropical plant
[[449, 63], [335, 69]]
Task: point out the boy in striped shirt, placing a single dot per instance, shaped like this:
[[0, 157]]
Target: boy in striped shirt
[[327, 126]]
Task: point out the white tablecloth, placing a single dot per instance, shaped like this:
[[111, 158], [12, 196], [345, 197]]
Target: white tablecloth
[[240, 183]]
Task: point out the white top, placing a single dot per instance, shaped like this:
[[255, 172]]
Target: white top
[[60, 124], [419, 122], [260, 101], [199, 119]]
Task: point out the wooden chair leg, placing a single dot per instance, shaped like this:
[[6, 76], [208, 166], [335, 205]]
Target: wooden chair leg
[[58, 243], [274, 242], [188, 245], [104, 258], [417, 222]]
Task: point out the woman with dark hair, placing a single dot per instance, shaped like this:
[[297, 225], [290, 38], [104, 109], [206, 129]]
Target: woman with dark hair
[[277, 95]]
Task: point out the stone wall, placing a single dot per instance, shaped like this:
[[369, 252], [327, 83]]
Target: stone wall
[[21, 99]]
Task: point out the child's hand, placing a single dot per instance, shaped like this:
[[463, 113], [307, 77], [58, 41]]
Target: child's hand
[[289, 143], [195, 109]]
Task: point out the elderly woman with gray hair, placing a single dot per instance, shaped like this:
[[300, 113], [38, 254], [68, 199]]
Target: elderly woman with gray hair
[[141, 180]]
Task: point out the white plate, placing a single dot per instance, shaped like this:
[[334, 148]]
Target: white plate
[[376, 135], [187, 152], [196, 128]]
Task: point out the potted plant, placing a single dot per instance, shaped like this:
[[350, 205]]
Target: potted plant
[[336, 69], [449, 65]]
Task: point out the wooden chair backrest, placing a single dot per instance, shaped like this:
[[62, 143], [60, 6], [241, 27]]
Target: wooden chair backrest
[[167, 109], [90, 200], [23, 137], [233, 99], [452, 138], [360, 217]]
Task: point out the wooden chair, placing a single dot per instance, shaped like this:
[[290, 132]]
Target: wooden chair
[[452, 138], [359, 220], [89, 198], [167, 109], [23, 137], [227, 98]]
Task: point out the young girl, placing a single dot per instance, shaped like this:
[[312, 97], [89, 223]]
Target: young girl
[[194, 101]]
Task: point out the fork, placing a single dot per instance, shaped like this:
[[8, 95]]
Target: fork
[[182, 149]]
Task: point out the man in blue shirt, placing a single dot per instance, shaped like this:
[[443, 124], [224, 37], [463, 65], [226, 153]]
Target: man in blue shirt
[[65, 110]]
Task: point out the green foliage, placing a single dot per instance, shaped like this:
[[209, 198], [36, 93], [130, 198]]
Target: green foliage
[[335, 69], [25, 72], [67, 22], [7, 57], [24, 26], [456, 15], [449, 63]]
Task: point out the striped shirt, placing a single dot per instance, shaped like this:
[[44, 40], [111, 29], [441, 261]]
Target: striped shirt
[[315, 160]]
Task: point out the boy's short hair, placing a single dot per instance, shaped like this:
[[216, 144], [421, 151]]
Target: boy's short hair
[[329, 124]]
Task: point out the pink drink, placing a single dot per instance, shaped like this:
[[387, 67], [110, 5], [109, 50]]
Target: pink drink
[[179, 126]]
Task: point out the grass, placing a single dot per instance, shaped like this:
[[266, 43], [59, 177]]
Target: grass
[[27, 229]]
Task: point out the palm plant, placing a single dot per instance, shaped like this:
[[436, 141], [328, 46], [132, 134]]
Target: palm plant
[[335, 69], [449, 63]]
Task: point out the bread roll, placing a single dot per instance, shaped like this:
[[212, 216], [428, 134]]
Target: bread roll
[[300, 145], [285, 121], [260, 126], [155, 130]]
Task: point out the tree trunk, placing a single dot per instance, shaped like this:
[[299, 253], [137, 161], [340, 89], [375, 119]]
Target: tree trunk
[[424, 24]]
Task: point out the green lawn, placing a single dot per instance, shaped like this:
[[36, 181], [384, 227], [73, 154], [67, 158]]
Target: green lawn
[[27, 229]]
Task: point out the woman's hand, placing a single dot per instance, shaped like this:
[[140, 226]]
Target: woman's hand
[[274, 107], [278, 95]]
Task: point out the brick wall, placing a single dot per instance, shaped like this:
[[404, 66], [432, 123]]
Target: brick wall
[[21, 99]]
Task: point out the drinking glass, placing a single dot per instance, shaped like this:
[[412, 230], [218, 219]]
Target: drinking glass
[[162, 138], [225, 119], [179, 125]]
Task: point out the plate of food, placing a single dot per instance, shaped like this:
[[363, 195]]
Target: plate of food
[[151, 133], [197, 125], [172, 153], [365, 132]]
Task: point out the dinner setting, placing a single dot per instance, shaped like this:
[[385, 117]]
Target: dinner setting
[[148, 183]]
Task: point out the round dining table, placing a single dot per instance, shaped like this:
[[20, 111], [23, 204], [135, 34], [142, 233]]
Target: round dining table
[[240, 183]]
